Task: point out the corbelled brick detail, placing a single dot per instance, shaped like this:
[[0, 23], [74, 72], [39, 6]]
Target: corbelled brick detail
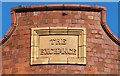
[[102, 52]]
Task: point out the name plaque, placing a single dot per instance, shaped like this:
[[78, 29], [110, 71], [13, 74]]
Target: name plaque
[[58, 45]]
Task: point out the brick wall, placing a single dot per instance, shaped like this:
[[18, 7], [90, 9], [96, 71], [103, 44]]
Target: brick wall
[[102, 52]]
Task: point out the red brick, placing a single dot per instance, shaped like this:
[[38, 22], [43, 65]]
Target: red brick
[[100, 69], [99, 50], [107, 70], [90, 53], [81, 21], [108, 60], [14, 70], [23, 64], [94, 31], [74, 21], [77, 72], [116, 66], [74, 25], [62, 21], [21, 42], [91, 26], [94, 40], [19, 14], [89, 49], [55, 20], [50, 21], [7, 66], [21, 60], [6, 48], [44, 71], [107, 51], [68, 20], [90, 17], [90, 72], [96, 18], [91, 68], [99, 64], [100, 32], [65, 25], [110, 66], [36, 13], [77, 16], [102, 53], [92, 22], [23, 14], [52, 71], [33, 68], [98, 36], [91, 63], [95, 59], [21, 71], [83, 16], [113, 71], [100, 59], [8, 71], [6, 62], [110, 56], [26, 32]]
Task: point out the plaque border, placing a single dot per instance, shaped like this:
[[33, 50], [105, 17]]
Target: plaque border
[[43, 31]]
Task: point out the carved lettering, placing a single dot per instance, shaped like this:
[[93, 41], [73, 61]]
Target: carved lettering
[[58, 41], [56, 45], [57, 51]]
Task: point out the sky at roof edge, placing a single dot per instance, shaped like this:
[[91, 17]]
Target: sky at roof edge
[[60, 0], [0, 20], [33, 3], [119, 19]]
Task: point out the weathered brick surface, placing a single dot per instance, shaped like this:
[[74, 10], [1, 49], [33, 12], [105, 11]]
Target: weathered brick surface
[[102, 53]]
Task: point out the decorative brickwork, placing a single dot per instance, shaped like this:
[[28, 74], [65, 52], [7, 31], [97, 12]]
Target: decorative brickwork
[[101, 46]]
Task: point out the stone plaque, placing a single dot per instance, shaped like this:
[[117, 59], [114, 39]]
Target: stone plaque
[[58, 45]]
